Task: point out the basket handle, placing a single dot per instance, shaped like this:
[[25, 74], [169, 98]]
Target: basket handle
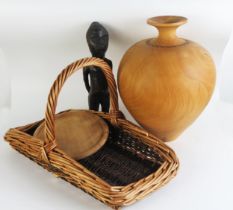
[[50, 140]]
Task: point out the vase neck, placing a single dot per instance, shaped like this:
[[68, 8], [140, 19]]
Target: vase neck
[[167, 26]]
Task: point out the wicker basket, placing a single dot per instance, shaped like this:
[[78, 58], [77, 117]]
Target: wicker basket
[[97, 174]]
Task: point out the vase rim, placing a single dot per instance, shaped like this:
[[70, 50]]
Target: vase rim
[[167, 20]]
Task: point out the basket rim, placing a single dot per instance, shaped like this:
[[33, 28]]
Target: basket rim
[[21, 129], [157, 179]]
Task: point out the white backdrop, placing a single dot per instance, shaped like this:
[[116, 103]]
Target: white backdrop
[[226, 76], [39, 38]]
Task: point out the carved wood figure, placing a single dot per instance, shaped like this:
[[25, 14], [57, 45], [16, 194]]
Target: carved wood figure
[[94, 79]]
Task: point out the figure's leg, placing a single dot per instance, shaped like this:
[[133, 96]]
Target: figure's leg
[[105, 102], [93, 101]]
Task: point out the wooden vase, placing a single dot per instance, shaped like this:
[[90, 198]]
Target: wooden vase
[[166, 82]]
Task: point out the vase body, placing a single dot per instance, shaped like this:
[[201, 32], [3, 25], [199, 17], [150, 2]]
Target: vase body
[[166, 82]]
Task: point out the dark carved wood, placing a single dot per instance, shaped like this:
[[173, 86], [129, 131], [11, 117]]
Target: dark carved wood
[[94, 79]]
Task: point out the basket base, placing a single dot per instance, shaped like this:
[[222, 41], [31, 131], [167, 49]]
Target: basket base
[[124, 158], [120, 161]]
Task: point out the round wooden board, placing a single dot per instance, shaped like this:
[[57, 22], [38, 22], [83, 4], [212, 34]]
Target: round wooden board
[[79, 133]]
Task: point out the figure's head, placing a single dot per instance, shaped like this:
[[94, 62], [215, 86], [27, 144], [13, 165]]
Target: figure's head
[[97, 39]]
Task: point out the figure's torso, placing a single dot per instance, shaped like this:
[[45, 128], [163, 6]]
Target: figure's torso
[[98, 82]]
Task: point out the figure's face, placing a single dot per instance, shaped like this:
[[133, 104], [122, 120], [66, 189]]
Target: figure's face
[[97, 38]]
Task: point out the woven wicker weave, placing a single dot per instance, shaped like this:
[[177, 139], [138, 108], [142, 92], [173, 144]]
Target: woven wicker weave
[[46, 153]]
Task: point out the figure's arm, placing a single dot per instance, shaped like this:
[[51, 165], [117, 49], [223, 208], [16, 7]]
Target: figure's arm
[[109, 62], [86, 72]]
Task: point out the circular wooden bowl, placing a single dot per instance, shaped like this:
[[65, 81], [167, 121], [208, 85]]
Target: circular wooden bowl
[[78, 133]]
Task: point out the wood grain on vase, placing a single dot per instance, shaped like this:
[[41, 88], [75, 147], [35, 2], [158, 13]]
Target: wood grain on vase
[[166, 82]]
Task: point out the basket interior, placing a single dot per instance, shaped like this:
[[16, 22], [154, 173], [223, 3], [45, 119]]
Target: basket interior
[[124, 158]]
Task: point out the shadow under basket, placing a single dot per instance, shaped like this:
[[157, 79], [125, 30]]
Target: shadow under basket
[[131, 164]]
